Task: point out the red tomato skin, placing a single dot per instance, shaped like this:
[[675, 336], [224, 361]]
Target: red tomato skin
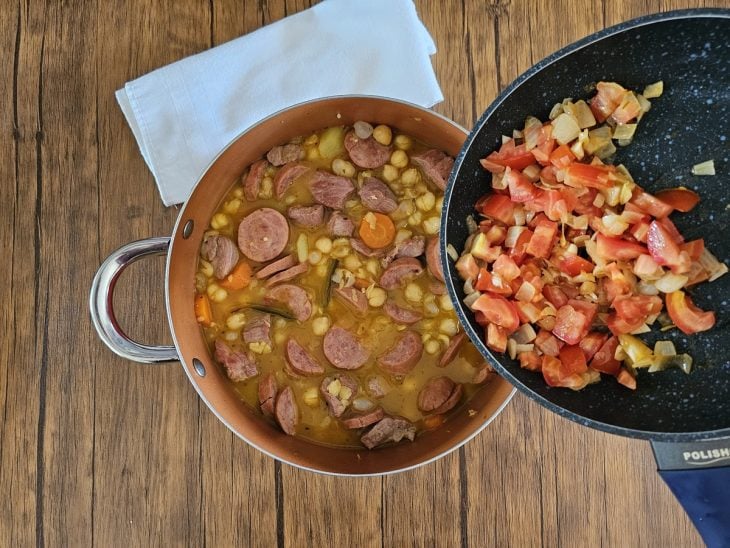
[[617, 249], [556, 374], [619, 326], [530, 361], [518, 252], [592, 343], [603, 360], [573, 359], [495, 234], [650, 204], [585, 175], [562, 157], [686, 316], [498, 310], [665, 250], [506, 268], [573, 265], [586, 308], [571, 325], [485, 282], [681, 199], [520, 188], [499, 207], [541, 243], [627, 379], [555, 295], [636, 308], [607, 99]]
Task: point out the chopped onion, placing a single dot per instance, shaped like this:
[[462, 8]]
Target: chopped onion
[[556, 111], [498, 182], [664, 348], [525, 334], [513, 233], [471, 224], [711, 265], [624, 132], [670, 282], [654, 90], [582, 113], [647, 288], [451, 251], [565, 128], [532, 172], [469, 288], [614, 224], [512, 348], [470, 298], [642, 329], [524, 348], [704, 168], [526, 292]]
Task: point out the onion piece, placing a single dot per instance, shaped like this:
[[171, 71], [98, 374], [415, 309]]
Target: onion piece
[[654, 90], [524, 335], [451, 251], [704, 168], [671, 282], [513, 233], [712, 266], [470, 298]]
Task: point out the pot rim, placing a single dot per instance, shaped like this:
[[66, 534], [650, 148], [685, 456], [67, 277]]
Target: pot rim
[[183, 363]]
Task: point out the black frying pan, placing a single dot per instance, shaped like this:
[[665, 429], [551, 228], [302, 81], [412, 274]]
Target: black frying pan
[[689, 51]]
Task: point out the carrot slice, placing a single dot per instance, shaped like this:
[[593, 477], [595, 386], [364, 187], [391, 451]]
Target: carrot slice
[[239, 277], [377, 230], [202, 310]]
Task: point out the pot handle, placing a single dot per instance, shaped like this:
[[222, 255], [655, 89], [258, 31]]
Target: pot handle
[[101, 303], [698, 474]]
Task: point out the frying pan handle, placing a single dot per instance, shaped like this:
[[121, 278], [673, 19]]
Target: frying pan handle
[[101, 303], [698, 474]]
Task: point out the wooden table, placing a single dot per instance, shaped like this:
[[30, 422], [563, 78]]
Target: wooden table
[[97, 450]]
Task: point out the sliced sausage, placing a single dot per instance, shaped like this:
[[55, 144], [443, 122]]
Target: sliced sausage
[[239, 366], [252, 183], [353, 298], [257, 330], [377, 196], [263, 234], [288, 274], [388, 429], [437, 288], [366, 419], [286, 175], [283, 154], [435, 166], [452, 350], [307, 216], [300, 361], [267, 394], [331, 190], [435, 393], [359, 246], [338, 391], [411, 247], [277, 266], [378, 387], [340, 225], [451, 402], [433, 259], [366, 153], [399, 272], [343, 350], [483, 374], [401, 315], [222, 254], [403, 356], [286, 411], [294, 297]]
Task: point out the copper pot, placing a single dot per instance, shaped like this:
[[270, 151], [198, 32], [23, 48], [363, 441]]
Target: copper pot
[[182, 260]]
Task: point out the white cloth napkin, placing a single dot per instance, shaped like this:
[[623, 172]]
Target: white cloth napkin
[[184, 114]]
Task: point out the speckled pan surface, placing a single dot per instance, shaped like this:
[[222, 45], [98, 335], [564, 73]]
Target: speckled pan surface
[[689, 51]]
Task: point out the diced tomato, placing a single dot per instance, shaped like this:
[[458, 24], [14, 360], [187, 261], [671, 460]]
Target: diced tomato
[[555, 295], [637, 308], [467, 267], [619, 326], [617, 249], [548, 175], [499, 207], [498, 310], [604, 360], [541, 243], [650, 204], [496, 338], [584, 175], [665, 250], [686, 316], [682, 199], [496, 234], [592, 343], [615, 283], [608, 97], [520, 187], [671, 229], [551, 202], [562, 157], [509, 155], [486, 281], [571, 325], [573, 358], [480, 318], [547, 343], [545, 143], [506, 268], [557, 374], [587, 308], [518, 252], [573, 265], [627, 379], [694, 248], [530, 360], [640, 231], [645, 267]]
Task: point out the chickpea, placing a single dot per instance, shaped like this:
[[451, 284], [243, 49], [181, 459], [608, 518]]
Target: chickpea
[[383, 134], [219, 295], [206, 268], [415, 219], [211, 289], [390, 173], [399, 158], [432, 346], [445, 303], [439, 203], [311, 397], [373, 267], [232, 206], [320, 325], [279, 337], [410, 177], [413, 293], [377, 297], [314, 257], [267, 188], [313, 153], [313, 139], [431, 225], [324, 244], [219, 220], [230, 336], [352, 262], [343, 167], [448, 327], [236, 321], [426, 201], [402, 235], [402, 142], [238, 193]]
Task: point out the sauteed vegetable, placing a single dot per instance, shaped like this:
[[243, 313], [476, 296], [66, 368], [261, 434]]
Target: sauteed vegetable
[[572, 258], [321, 294]]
